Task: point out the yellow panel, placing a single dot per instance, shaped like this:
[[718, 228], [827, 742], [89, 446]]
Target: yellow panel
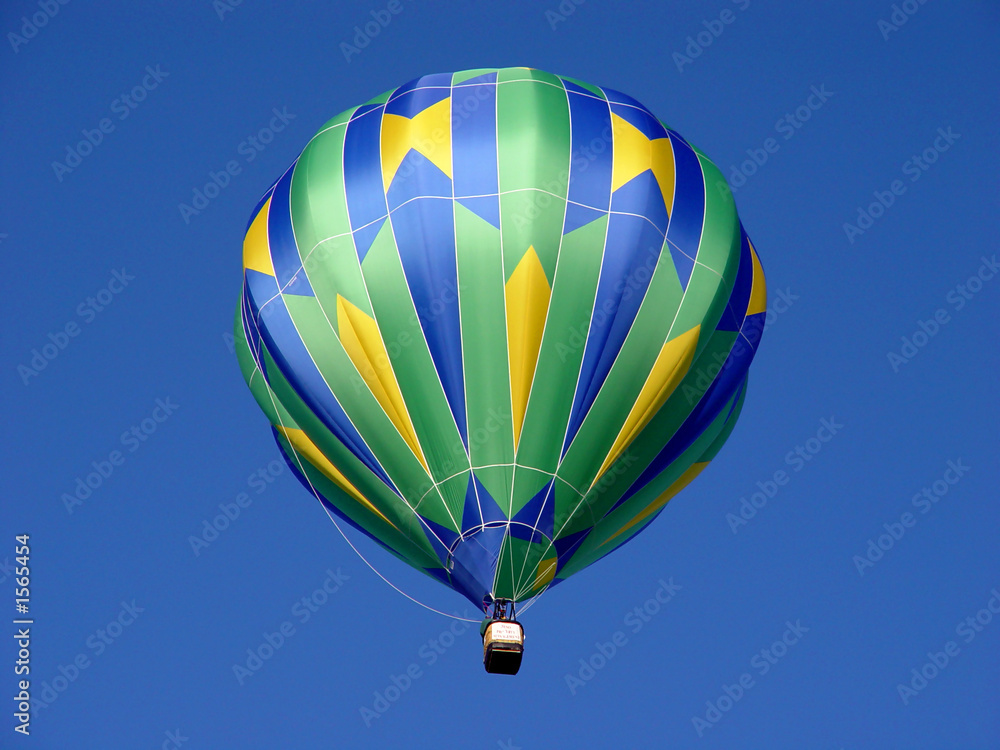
[[527, 295], [670, 367], [304, 446], [683, 481], [546, 572], [429, 132], [634, 153], [758, 292], [256, 253], [361, 339]]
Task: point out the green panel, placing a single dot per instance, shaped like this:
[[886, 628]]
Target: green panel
[[353, 394], [561, 353], [629, 373], [498, 481], [517, 568], [720, 239], [408, 542], [318, 202], [507, 75], [571, 512], [412, 363], [266, 400], [527, 484], [333, 269], [593, 548], [466, 75], [533, 159], [340, 119], [338, 454], [484, 339], [595, 90]]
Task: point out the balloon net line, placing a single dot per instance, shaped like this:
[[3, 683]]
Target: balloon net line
[[316, 494]]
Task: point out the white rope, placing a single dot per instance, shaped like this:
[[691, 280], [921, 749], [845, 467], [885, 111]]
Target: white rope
[[358, 552]]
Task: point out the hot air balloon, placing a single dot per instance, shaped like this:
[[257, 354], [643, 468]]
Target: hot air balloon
[[497, 320]]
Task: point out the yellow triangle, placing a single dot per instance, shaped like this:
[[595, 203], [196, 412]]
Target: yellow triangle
[[758, 292], [362, 341], [429, 132], [527, 295], [634, 153], [307, 448], [669, 369], [256, 253], [682, 481]]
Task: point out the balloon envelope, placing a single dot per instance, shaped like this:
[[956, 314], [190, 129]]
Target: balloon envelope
[[497, 319]]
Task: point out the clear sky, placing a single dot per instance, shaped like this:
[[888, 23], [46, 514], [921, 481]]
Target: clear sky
[[872, 398]]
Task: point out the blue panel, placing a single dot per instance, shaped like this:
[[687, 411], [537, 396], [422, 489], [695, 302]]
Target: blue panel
[[641, 119], [441, 80], [442, 538], [689, 201], [364, 237], [484, 78], [411, 103], [480, 507], [578, 216], [281, 240], [475, 562], [538, 512], [576, 88], [363, 185], [726, 386], [417, 176], [292, 357], [733, 315], [567, 545], [592, 147], [260, 205], [486, 208], [620, 98], [642, 196], [632, 244], [425, 235], [473, 141], [682, 264]]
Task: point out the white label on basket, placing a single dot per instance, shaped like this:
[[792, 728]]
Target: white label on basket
[[506, 631]]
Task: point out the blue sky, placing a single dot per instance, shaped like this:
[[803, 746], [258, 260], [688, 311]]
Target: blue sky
[[872, 397]]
